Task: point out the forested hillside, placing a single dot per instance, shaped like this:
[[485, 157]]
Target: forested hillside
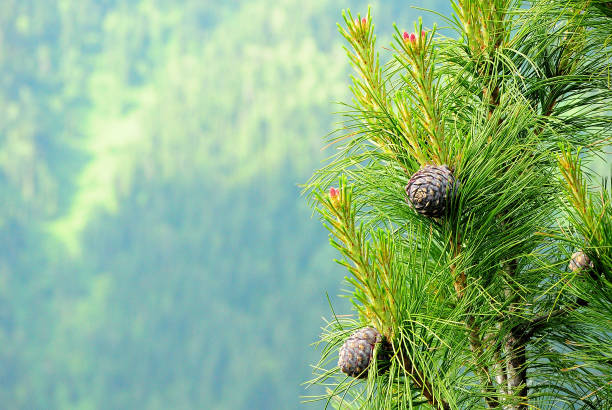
[[155, 250]]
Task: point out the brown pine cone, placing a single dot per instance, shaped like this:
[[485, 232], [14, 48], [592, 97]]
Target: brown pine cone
[[580, 261], [357, 351], [430, 190]]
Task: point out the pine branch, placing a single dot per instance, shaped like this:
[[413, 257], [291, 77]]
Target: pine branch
[[492, 107], [516, 341], [525, 331], [485, 39], [473, 332], [371, 267], [514, 349], [415, 53], [369, 89]]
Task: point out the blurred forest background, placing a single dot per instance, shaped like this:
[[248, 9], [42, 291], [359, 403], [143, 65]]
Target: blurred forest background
[[155, 250]]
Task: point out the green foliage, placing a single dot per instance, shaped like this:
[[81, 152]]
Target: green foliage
[[479, 306]]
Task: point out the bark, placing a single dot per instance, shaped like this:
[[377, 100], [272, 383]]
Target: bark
[[516, 370], [514, 349]]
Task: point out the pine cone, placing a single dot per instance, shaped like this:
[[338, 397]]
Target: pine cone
[[580, 261], [356, 352], [430, 190]]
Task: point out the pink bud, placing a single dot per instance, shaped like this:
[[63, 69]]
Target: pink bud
[[364, 21], [356, 22], [334, 193], [406, 35], [422, 33], [412, 38]]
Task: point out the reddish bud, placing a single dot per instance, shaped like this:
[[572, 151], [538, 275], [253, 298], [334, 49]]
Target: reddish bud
[[364, 21], [334, 193], [356, 22], [412, 38], [423, 33], [406, 36]]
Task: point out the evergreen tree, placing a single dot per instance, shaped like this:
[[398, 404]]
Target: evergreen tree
[[479, 257]]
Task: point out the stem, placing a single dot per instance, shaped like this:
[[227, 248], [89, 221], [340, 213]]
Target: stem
[[514, 349], [518, 339], [499, 368], [477, 350], [514, 344], [515, 378], [422, 383], [474, 335], [493, 98], [515, 374], [517, 371], [527, 330]]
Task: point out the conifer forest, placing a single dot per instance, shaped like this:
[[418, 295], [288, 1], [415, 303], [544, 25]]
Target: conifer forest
[[165, 166]]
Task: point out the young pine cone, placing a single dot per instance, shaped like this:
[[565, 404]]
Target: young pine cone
[[357, 351], [580, 261], [430, 190]]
